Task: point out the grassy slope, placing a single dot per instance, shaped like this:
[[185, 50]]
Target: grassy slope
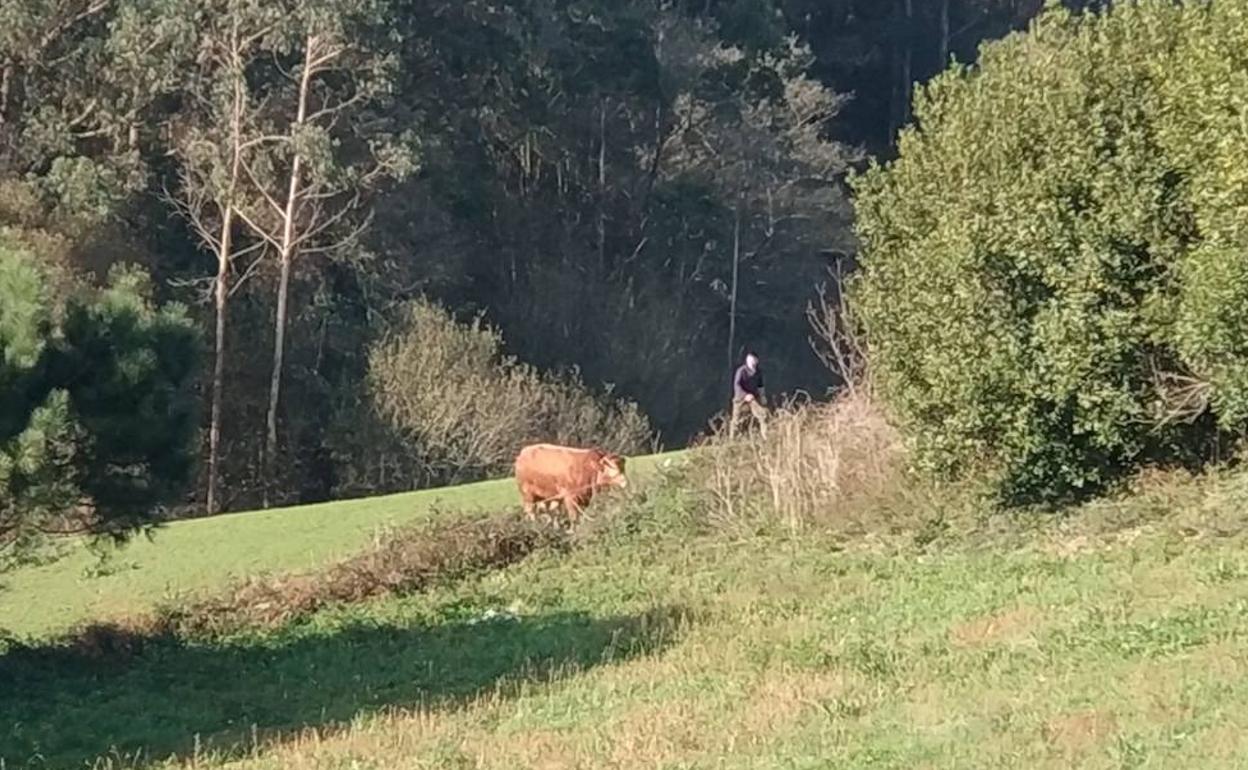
[[1064, 649], [804, 658], [205, 553]]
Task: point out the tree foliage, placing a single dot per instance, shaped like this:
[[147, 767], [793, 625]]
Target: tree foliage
[[99, 416], [1054, 276], [629, 188]]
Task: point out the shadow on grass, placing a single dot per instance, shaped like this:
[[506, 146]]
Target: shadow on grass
[[59, 708]]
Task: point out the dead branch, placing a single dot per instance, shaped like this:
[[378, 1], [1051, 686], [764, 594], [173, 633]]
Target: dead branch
[[1182, 398], [835, 339]]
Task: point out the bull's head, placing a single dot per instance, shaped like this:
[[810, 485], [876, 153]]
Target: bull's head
[[611, 471]]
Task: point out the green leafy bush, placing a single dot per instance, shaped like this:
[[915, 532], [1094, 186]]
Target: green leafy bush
[[1054, 279], [446, 405], [97, 413]]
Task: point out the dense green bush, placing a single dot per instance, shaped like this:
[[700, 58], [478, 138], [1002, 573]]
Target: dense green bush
[[1055, 283], [446, 405], [97, 415]]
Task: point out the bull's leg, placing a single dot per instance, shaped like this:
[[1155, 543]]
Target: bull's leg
[[572, 506], [548, 510], [528, 510]]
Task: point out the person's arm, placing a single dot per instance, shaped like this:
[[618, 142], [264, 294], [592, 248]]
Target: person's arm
[[739, 390]]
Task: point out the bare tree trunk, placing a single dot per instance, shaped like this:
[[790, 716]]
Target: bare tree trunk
[[907, 58], [943, 61], [218, 365], [660, 138], [6, 88], [660, 143], [286, 252], [225, 256], [903, 55], [275, 379], [732, 304], [602, 185]]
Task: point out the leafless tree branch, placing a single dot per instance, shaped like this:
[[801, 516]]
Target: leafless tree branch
[[835, 339]]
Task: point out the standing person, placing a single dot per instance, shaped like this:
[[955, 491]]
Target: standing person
[[747, 391]]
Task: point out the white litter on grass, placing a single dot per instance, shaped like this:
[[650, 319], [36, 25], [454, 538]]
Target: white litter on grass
[[492, 615]]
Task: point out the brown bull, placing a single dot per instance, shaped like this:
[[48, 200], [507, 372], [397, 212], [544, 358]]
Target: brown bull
[[560, 474]]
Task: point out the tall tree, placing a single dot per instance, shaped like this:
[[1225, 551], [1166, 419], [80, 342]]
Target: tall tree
[[97, 426], [757, 137], [220, 128], [325, 148]]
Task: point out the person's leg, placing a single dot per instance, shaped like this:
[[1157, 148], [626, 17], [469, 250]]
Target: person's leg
[[733, 416], [760, 416]]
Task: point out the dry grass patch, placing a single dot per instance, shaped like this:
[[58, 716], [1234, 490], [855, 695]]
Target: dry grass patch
[[1078, 734], [1226, 743], [781, 697], [1007, 626], [830, 464], [656, 734], [702, 726], [538, 749]]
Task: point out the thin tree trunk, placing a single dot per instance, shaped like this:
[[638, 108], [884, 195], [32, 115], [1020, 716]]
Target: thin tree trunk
[[6, 87], [732, 305], [218, 365], [287, 255], [275, 380], [652, 176], [902, 66], [660, 138], [225, 256], [907, 58], [943, 60], [602, 185]]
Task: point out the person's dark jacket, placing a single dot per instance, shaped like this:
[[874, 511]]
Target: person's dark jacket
[[743, 382]]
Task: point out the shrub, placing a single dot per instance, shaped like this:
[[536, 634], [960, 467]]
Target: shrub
[[1054, 286], [447, 406], [97, 417]]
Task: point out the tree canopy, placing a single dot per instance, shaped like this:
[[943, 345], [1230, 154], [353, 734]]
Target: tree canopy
[[633, 190]]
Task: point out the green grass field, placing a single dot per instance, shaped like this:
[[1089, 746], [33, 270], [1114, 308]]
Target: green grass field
[[191, 556], [1062, 647]]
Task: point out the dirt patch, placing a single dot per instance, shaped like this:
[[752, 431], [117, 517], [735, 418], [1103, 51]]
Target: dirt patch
[[1007, 626], [1073, 734]]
